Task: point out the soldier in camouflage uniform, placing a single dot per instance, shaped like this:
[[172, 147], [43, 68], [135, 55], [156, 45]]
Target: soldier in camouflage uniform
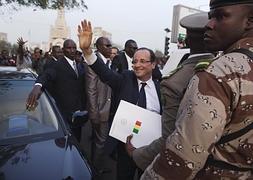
[[213, 137], [173, 86]]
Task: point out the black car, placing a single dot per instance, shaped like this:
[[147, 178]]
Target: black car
[[35, 144]]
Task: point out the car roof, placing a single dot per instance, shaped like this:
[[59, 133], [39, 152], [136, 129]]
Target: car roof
[[10, 72]]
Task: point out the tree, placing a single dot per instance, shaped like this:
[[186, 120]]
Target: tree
[[45, 4]]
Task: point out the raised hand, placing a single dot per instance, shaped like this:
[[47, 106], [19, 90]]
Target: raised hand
[[20, 41], [85, 36]]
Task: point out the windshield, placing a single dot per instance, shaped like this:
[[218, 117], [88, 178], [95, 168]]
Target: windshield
[[15, 120]]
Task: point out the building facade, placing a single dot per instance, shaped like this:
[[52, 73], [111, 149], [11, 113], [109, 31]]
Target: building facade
[[60, 31], [3, 36]]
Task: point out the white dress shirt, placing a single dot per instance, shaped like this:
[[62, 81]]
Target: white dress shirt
[[70, 62], [152, 99], [54, 58], [129, 62], [105, 59]]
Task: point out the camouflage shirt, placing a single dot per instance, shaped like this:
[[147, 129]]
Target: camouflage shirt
[[218, 102]]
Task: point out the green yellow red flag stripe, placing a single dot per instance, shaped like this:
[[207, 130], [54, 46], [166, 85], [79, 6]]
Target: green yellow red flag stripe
[[137, 127]]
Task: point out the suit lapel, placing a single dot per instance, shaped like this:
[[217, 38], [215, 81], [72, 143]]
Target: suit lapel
[[125, 61], [136, 89], [80, 68], [68, 68]]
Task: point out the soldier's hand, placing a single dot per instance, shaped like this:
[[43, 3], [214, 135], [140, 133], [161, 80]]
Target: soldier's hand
[[129, 147], [85, 36], [31, 102]]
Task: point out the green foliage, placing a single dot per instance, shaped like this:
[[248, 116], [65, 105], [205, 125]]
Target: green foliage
[[46, 4]]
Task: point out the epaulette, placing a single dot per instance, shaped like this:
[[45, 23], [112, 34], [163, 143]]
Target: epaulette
[[172, 72], [202, 65]]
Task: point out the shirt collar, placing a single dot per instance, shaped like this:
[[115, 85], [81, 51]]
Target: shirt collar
[[149, 82], [69, 60], [128, 58], [103, 58], [54, 58]]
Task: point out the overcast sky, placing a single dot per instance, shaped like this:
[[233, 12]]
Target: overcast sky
[[141, 20]]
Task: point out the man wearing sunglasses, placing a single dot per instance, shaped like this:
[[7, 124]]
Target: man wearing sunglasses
[[123, 61], [126, 86], [99, 103]]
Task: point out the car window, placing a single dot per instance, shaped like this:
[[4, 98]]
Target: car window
[[15, 120]]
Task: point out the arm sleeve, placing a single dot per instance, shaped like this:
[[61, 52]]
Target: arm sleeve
[[92, 91], [106, 75]]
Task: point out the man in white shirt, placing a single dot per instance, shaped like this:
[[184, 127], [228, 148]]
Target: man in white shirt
[[123, 61]]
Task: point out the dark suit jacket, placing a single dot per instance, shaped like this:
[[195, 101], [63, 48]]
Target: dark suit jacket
[[69, 90], [48, 63]]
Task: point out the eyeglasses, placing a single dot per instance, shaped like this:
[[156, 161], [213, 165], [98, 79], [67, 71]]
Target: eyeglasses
[[141, 61]]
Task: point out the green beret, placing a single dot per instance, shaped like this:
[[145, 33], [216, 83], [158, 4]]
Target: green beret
[[220, 3], [195, 22]]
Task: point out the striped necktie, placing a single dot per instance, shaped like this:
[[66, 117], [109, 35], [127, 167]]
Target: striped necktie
[[75, 68]]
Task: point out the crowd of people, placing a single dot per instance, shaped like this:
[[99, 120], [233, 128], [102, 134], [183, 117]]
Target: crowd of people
[[6, 59], [205, 104]]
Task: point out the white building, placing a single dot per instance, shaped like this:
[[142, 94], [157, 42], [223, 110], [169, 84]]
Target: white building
[[60, 31], [99, 32], [3, 36], [180, 11]]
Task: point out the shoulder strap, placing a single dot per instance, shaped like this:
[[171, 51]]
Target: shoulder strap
[[245, 51], [235, 135], [202, 65]]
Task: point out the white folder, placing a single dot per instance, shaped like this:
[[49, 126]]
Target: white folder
[[130, 119]]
